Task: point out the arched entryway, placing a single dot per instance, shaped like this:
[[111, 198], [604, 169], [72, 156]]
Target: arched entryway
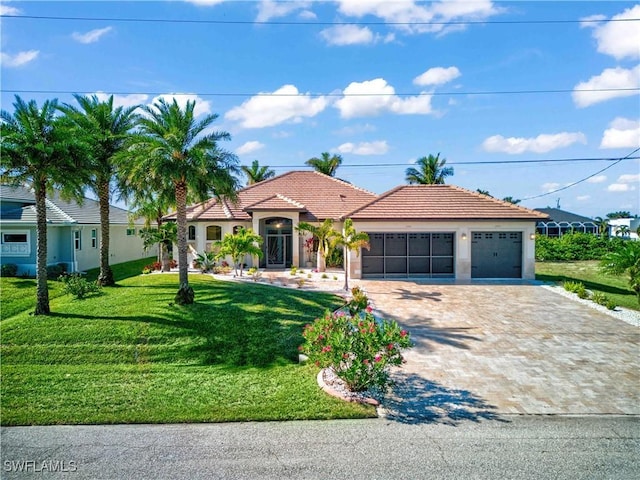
[[278, 242]]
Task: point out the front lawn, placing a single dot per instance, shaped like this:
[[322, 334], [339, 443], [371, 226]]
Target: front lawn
[[130, 355], [615, 287]]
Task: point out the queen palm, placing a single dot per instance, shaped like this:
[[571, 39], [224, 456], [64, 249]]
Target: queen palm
[[38, 150], [105, 128], [256, 173], [172, 152], [351, 240], [327, 163], [430, 171]]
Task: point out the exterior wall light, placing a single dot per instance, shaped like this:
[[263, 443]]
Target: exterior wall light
[[532, 236], [463, 236]]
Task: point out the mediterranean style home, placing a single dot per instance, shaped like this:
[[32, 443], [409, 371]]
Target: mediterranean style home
[[73, 232], [415, 231]]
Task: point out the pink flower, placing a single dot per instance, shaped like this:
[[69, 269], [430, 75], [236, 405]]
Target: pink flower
[[372, 329], [345, 355], [377, 358], [366, 361], [320, 337], [326, 349], [300, 348], [368, 309], [403, 333], [390, 346]]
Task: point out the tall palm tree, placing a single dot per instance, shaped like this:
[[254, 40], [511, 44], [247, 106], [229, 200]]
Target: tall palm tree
[[105, 128], [325, 235], [430, 171], [256, 173], [39, 151], [351, 240], [172, 151], [603, 226], [327, 163]]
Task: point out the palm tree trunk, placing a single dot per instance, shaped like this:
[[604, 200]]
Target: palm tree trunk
[[42, 289], [322, 264], [346, 268], [106, 274], [185, 294]]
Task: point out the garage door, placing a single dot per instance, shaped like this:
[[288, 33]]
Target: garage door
[[496, 255], [403, 255]]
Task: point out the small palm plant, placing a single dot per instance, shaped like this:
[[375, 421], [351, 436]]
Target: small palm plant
[[237, 245]]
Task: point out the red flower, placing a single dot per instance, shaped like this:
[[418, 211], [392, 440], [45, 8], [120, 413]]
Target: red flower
[[345, 355], [300, 348], [390, 346], [366, 361], [369, 309], [326, 349], [320, 337], [403, 333], [377, 358]]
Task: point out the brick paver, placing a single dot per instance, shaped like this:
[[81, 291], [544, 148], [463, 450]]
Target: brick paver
[[489, 349]]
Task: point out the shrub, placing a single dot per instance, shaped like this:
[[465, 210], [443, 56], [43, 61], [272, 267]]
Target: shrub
[[359, 301], [335, 258], [254, 273], [324, 276], [611, 305], [599, 298], [78, 286], [205, 261], [293, 270], [300, 282], [360, 349], [55, 271], [146, 270], [574, 246], [9, 270]]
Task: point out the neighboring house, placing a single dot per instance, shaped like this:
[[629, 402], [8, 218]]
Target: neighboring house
[[73, 232], [632, 225], [415, 230], [561, 222]]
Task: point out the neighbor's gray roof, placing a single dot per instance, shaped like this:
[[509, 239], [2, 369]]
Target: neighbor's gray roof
[[58, 210], [557, 215]]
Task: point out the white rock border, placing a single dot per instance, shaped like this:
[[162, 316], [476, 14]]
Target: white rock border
[[334, 386]]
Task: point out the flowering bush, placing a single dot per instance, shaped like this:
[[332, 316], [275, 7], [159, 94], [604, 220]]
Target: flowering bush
[[359, 348]]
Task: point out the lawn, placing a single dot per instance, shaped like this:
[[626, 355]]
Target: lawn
[[129, 355], [615, 287]]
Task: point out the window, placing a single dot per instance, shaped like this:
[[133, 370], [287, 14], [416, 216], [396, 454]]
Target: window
[[131, 232], [77, 240], [214, 232], [16, 244], [191, 233], [94, 238]]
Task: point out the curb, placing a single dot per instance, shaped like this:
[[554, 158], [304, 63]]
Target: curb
[[335, 393]]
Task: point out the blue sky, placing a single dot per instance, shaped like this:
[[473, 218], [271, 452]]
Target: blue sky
[[380, 82]]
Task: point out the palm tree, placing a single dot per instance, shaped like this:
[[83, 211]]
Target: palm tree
[[510, 199], [351, 241], [171, 152], [431, 171], [106, 130], [623, 231], [603, 226], [255, 173], [325, 234], [625, 259], [484, 192], [327, 163], [243, 242], [37, 149]]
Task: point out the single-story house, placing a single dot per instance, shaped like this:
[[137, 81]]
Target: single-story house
[[73, 232], [561, 222], [414, 230], [632, 224]]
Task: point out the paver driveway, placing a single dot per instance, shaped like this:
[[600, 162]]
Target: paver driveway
[[486, 349]]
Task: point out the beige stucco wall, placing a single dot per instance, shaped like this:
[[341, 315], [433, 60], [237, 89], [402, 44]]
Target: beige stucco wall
[[462, 247]]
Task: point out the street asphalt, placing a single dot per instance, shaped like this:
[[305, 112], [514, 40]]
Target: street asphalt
[[503, 447]]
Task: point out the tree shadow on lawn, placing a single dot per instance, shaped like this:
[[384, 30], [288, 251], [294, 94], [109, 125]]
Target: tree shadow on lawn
[[415, 400]]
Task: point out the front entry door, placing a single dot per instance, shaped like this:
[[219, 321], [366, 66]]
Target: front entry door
[[276, 250]]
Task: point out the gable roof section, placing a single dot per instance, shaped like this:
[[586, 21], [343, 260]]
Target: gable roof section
[[440, 202], [316, 195], [557, 215]]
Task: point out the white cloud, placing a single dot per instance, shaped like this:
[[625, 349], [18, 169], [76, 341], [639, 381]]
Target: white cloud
[[618, 39], [373, 97], [540, 144], [414, 15], [249, 147], [586, 22], [629, 178], [91, 36], [622, 133], [205, 3], [347, 35], [307, 15], [437, 76], [355, 129], [19, 59], [378, 147], [202, 106], [268, 9], [583, 198], [124, 100], [620, 187], [7, 10], [550, 186], [284, 104], [610, 78], [597, 179]]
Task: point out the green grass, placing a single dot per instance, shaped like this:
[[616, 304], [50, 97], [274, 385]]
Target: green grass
[[615, 287], [129, 355]]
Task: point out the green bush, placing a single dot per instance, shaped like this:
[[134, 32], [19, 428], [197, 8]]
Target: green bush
[[335, 258], [359, 301], [9, 270], [599, 298], [55, 271], [574, 246], [611, 305], [78, 286]]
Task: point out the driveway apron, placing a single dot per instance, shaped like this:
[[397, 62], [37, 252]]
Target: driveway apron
[[482, 350]]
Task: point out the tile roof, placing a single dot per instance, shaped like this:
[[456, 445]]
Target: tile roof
[[58, 210], [316, 195], [439, 202]]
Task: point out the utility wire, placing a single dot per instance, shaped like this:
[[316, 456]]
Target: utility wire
[[323, 23], [585, 178], [331, 94]]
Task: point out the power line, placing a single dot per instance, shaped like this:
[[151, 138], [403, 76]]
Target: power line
[[318, 23], [585, 178], [330, 94]]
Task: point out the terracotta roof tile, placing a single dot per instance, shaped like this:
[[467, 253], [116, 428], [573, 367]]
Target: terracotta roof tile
[[275, 202], [439, 202]]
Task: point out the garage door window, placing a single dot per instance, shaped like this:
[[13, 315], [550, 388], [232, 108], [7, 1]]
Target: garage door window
[[399, 254]]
